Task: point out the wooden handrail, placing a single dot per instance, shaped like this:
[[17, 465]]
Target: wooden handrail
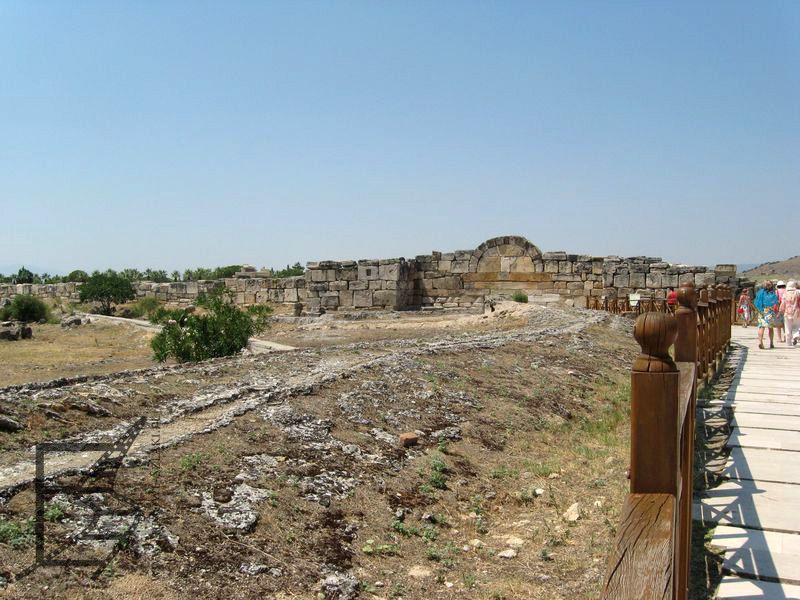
[[643, 549], [652, 551]]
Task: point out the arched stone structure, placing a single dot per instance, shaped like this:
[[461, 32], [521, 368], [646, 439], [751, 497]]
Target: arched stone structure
[[507, 254]]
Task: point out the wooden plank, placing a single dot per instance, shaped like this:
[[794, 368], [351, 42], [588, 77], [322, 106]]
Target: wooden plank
[[654, 432], [640, 566], [685, 389]]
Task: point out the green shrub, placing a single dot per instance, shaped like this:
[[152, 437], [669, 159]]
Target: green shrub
[[25, 307], [144, 307], [293, 271], [16, 534], [222, 331], [107, 288], [520, 297], [78, 275]]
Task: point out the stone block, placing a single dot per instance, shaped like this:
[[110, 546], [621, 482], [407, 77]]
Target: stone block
[[362, 298], [704, 278], [622, 280], [669, 280], [685, 278], [376, 284], [551, 266], [554, 256], [460, 266], [389, 271], [349, 274], [385, 298], [317, 275], [565, 266], [336, 286], [447, 283], [329, 300], [368, 272], [358, 285], [654, 280], [490, 264], [637, 279]]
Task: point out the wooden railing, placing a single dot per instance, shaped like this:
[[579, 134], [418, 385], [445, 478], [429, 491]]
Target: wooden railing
[[652, 550], [623, 305]]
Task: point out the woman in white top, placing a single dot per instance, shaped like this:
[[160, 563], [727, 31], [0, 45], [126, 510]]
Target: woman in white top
[[790, 309]]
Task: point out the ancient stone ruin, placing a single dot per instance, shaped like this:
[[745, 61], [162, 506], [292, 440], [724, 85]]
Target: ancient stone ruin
[[462, 279]]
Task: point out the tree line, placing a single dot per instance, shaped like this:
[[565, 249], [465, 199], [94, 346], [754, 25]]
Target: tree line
[[156, 275]]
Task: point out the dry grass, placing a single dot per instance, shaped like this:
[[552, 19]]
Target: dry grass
[[55, 352]]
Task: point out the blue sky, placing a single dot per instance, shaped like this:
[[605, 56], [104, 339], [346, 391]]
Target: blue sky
[[177, 134]]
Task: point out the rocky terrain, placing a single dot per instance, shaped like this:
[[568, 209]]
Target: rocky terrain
[[482, 456]]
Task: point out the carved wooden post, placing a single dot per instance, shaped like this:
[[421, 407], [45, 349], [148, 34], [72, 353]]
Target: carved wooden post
[[722, 308], [702, 349], [713, 329], [686, 352], [728, 323], [654, 407]]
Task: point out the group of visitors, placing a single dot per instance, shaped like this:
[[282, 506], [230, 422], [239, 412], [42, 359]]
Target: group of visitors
[[777, 307]]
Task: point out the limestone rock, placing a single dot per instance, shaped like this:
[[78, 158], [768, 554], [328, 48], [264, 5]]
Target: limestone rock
[[419, 572], [10, 333], [508, 553], [71, 321], [573, 513]]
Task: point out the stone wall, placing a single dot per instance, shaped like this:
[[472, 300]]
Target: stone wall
[[451, 280]]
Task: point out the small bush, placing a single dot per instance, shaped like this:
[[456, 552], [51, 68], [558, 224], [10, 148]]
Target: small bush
[[107, 288], [27, 308], [16, 534], [223, 331], [144, 307], [520, 297]]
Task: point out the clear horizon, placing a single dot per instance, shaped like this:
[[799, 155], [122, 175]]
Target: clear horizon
[[182, 134]]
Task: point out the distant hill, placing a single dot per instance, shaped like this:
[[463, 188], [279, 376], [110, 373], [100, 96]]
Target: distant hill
[[779, 269]]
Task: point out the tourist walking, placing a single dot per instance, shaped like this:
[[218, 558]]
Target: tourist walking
[[744, 307], [672, 299], [780, 291], [789, 309], [766, 304]]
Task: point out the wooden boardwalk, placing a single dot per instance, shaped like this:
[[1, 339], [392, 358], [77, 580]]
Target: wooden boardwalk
[[757, 508]]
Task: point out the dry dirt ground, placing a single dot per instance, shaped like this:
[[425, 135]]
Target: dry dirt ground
[[58, 352], [281, 476]]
